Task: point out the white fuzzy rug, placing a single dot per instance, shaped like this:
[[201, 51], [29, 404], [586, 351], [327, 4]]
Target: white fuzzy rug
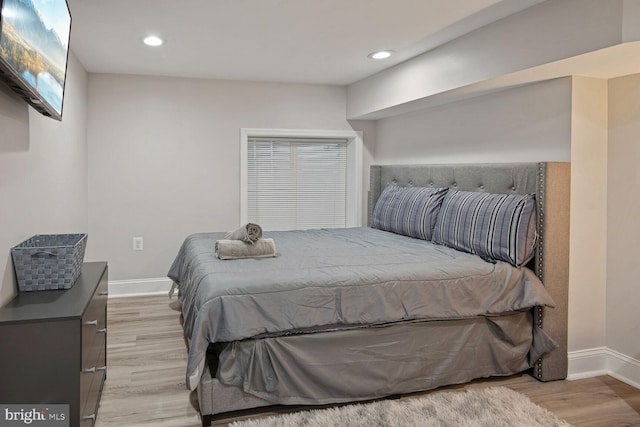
[[481, 407]]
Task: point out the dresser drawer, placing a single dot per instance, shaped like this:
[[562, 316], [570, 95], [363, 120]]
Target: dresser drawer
[[93, 350], [94, 340], [91, 399], [91, 380], [97, 305], [94, 329]]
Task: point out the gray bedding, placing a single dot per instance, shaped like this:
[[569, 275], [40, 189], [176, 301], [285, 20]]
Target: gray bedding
[[337, 279]]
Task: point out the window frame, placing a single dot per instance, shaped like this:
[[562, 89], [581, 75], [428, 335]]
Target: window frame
[[354, 139]]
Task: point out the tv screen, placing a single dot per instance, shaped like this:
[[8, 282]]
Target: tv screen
[[34, 47]]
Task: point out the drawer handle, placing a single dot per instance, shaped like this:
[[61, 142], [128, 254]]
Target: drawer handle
[[89, 417], [89, 370], [101, 331], [103, 293], [101, 368], [91, 322]]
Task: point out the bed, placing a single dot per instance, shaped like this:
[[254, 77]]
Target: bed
[[362, 313]]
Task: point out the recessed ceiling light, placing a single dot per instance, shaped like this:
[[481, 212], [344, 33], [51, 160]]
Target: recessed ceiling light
[[381, 54], [153, 41]]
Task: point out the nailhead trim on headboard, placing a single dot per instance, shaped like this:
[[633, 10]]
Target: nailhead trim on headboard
[[540, 216], [539, 313]]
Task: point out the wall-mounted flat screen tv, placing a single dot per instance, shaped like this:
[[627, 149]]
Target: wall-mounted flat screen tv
[[34, 48]]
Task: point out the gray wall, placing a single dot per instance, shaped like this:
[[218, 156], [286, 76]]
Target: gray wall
[[530, 123], [43, 171], [587, 266], [164, 158], [623, 227]]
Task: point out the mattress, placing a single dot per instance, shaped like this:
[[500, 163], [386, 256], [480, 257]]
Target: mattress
[[337, 279]]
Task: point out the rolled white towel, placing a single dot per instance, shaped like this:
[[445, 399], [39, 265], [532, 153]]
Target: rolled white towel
[[249, 233], [237, 249]]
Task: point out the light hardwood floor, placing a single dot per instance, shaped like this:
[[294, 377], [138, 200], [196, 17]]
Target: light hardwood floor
[[146, 356]]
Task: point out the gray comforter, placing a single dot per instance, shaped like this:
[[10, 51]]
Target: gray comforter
[[336, 279]]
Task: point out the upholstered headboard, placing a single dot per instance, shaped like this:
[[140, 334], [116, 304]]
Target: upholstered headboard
[[550, 181]]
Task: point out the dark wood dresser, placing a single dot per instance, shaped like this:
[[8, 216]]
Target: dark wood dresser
[[53, 346]]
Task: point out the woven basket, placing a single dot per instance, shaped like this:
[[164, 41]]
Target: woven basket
[[48, 261]]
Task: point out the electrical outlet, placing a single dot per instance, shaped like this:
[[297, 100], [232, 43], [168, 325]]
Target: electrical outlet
[[138, 244]]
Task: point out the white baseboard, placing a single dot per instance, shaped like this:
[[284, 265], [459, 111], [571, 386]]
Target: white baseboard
[[139, 287], [587, 363], [624, 368], [604, 361]]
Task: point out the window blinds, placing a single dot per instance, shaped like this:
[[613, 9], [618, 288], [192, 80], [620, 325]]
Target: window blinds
[[296, 183]]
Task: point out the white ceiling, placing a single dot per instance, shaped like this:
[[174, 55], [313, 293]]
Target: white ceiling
[[296, 41]]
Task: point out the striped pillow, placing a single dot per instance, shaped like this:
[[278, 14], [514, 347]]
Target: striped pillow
[[495, 226], [410, 211]]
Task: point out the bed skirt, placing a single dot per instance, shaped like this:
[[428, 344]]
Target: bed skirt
[[365, 364]]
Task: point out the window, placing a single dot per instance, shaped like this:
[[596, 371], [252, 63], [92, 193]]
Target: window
[[300, 179]]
